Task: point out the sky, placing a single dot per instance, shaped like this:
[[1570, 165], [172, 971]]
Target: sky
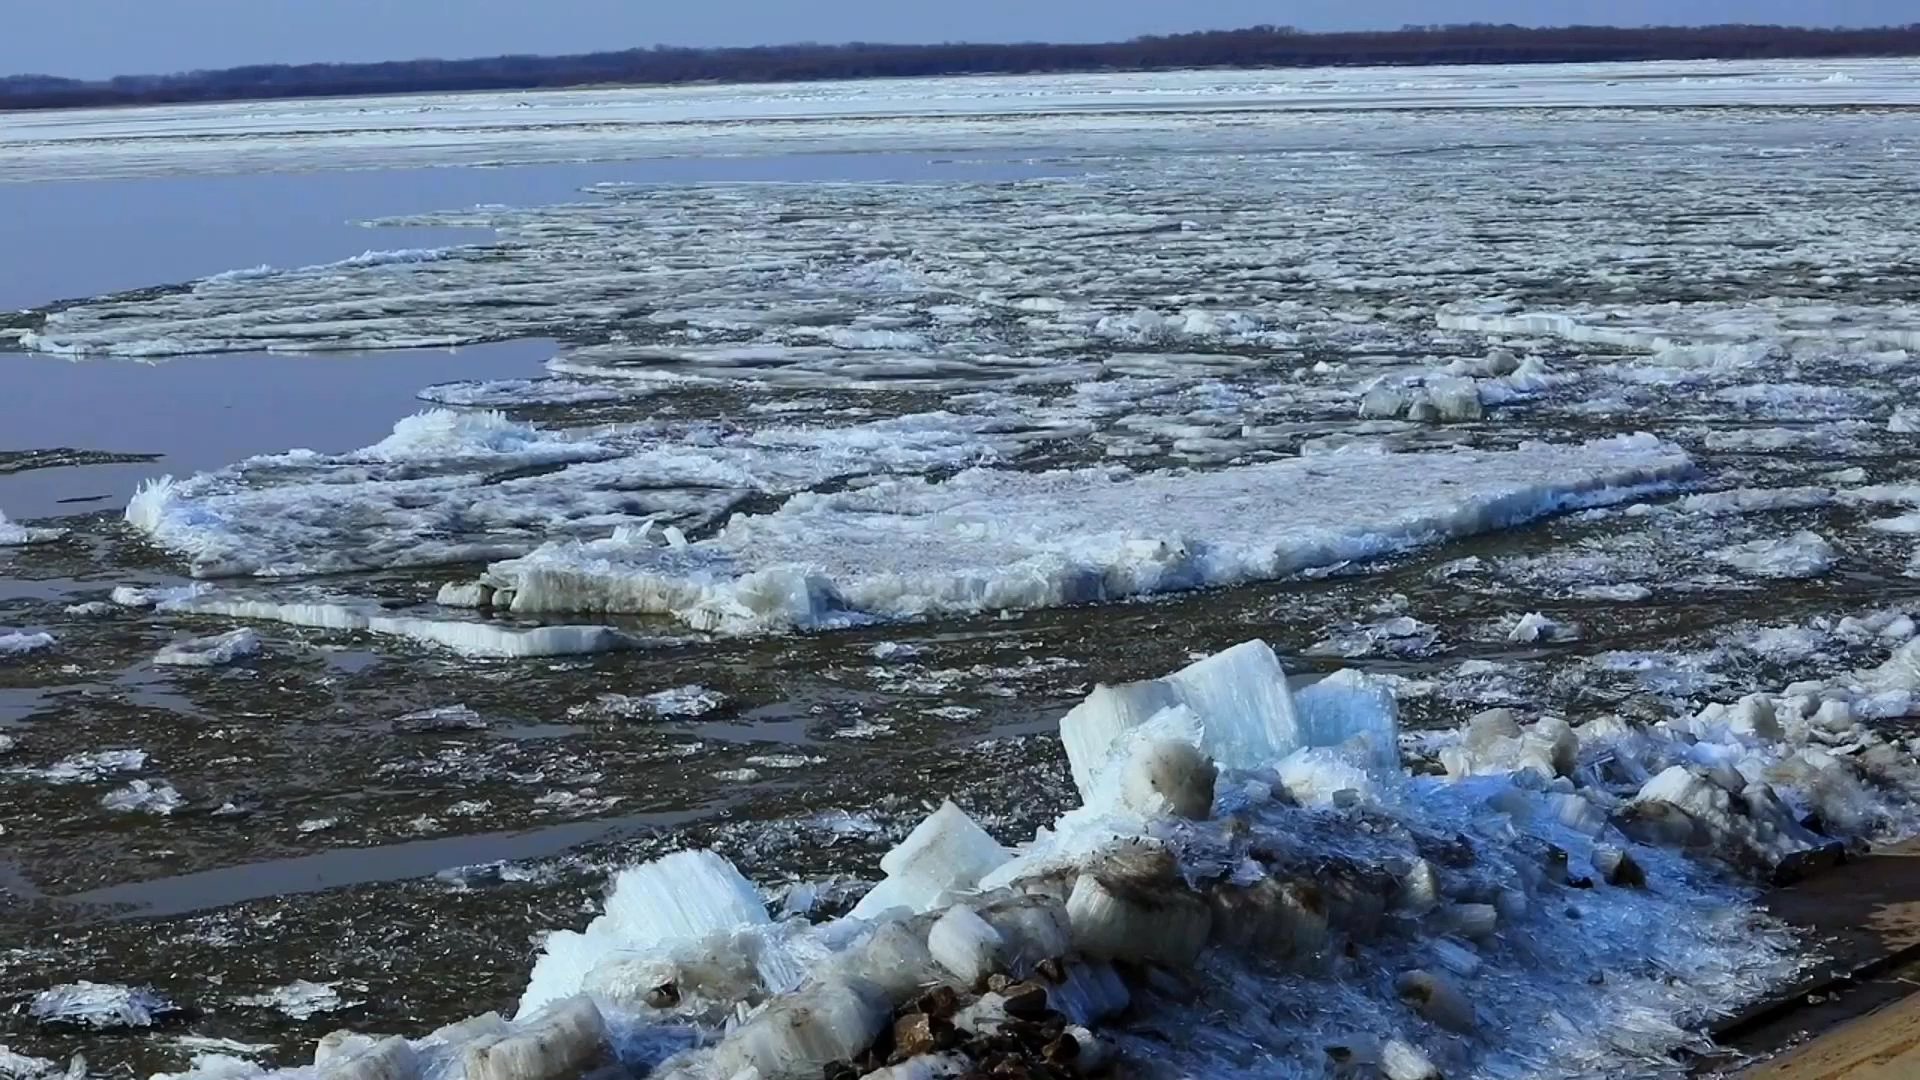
[[97, 38]]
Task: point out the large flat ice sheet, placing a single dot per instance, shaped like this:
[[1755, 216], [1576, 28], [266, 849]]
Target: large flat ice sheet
[[989, 540], [451, 487]]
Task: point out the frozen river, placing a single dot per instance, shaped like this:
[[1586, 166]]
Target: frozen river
[[791, 458]]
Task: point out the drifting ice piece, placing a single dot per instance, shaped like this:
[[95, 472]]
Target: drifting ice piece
[[945, 854], [797, 1035], [679, 899], [100, 1006], [1240, 696], [215, 651], [559, 1041]]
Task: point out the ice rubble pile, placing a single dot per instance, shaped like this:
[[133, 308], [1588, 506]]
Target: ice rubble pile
[[1255, 885], [992, 539]]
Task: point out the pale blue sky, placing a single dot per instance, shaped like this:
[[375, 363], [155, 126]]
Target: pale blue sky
[[92, 38]]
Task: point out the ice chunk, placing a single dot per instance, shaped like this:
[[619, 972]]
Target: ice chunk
[[88, 767], [1401, 1060], [965, 944], [1239, 697], [679, 899], [1802, 555], [15, 1066], [992, 539], [893, 957], [559, 1041], [1446, 399], [300, 999], [1351, 708], [1132, 908], [391, 1058], [19, 643], [924, 1067], [1534, 627], [99, 1006], [1438, 999], [215, 651], [945, 855], [797, 1035], [1905, 420], [144, 796], [1089, 992]]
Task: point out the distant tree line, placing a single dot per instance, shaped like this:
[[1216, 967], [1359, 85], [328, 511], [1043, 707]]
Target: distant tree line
[[1259, 46]]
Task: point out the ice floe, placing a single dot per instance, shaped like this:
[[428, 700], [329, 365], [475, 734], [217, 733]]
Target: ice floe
[[1801, 555], [989, 540], [453, 487], [216, 651], [12, 535], [488, 640], [300, 999], [143, 796], [21, 642], [99, 1006]]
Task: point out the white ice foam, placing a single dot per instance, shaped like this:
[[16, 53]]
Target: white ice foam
[[991, 540]]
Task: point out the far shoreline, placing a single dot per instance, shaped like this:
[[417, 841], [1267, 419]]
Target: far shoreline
[[1255, 48]]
